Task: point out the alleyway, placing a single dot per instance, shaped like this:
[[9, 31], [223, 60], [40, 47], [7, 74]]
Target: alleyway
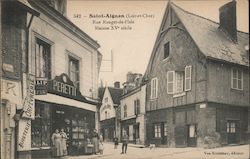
[[233, 152]]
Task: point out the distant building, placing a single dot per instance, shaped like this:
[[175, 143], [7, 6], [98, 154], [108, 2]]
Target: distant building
[[133, 103], [198, 81], [109, 111]]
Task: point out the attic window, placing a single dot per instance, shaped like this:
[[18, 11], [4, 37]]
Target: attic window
[[166, 50]]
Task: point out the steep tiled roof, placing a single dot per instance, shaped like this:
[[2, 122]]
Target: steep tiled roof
[[211, 41], [101, 92], [115, 94]]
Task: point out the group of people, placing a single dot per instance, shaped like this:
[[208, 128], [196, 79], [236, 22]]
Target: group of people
[[59, 141]]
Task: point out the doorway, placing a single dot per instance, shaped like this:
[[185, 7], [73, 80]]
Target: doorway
[[232, 131]]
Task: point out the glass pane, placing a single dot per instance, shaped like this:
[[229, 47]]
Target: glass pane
[[234, 83], [239, 84], [191, 131]]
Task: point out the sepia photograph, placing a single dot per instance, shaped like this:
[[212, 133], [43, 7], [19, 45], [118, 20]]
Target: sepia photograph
[[124, 79]]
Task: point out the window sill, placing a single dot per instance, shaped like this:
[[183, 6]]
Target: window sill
[[237, 90], [153, 99], [179, 94]]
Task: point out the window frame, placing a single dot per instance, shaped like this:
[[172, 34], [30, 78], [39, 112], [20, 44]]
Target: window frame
[[77, 72], [48, 60], [157, 130], [125, 113], [168, 49], [237, 78]]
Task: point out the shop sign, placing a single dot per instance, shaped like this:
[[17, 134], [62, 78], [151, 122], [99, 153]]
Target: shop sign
[[11, 91], [41, 86], [24, 135], [62, 85], [29, 101]]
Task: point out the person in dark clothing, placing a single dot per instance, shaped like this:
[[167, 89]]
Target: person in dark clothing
[[116, 142], [124, 143]]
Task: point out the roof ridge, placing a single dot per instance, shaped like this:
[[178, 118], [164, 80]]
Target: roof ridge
[[171, 3]]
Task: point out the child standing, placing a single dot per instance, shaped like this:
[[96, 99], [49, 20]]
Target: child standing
[[101, 148]]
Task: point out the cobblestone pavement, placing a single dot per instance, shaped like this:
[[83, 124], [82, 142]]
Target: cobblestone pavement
[[230, 152]]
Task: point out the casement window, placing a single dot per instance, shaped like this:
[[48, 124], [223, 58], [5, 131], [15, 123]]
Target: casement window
[[179, 81], [74, 71], [125, 111], [166, 50], [188, 73], [154, 88], [157, 130], [231, 127], [236, 79], [43, 59], [137, 106]]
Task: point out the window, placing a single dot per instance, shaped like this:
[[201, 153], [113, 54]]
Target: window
[[175, 81], [231, 127], [166, 50], [41, 126], [137, 106], [165, 129], [179, 82], [43, 59], [188, 72], [74, 71], [154, 88], [157, 129], [125, 111], [237, 79]]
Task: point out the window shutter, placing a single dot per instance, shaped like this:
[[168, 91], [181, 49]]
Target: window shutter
[[156, 88], [170, 82], [188, 78]]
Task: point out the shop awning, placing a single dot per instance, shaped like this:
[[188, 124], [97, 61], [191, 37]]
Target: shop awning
[[52, 98]]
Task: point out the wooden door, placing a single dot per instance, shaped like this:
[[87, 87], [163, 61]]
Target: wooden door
[[181, 136], [232, 131]]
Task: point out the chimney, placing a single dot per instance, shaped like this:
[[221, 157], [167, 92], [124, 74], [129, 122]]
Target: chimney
[[117, 84], [228, 20]]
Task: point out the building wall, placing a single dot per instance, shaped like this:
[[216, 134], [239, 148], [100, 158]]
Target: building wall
[[107, 106], [64, 43], [183, 52], [219, 84], [129, 101]]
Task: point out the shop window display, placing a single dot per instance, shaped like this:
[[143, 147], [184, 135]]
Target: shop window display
[[41, 126]]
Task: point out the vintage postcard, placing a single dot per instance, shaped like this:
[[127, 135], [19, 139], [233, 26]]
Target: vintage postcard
[[125, 79]]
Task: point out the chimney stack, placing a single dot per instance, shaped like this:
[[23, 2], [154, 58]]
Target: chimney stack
[[117, 84], [228, 20]]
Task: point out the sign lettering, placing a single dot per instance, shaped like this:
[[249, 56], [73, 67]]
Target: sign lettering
[[29, 102], [64, 88]]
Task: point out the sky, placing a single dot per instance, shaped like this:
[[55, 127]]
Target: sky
[[132, 38]]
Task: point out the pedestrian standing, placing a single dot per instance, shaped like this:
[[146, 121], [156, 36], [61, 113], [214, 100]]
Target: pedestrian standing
[[57, 141], [95, 141], [116, 142], [64, 142], [124, 143]]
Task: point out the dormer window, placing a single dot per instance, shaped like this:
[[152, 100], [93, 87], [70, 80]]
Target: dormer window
[[166, 50]]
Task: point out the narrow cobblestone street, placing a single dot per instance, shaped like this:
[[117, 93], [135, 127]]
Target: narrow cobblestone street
[[232, 152]]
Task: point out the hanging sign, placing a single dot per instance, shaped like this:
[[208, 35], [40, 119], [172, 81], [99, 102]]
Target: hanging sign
[[41, 86], [29, 102]]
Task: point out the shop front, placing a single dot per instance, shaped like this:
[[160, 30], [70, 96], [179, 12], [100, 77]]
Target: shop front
[[108, 129], [63, 107]]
